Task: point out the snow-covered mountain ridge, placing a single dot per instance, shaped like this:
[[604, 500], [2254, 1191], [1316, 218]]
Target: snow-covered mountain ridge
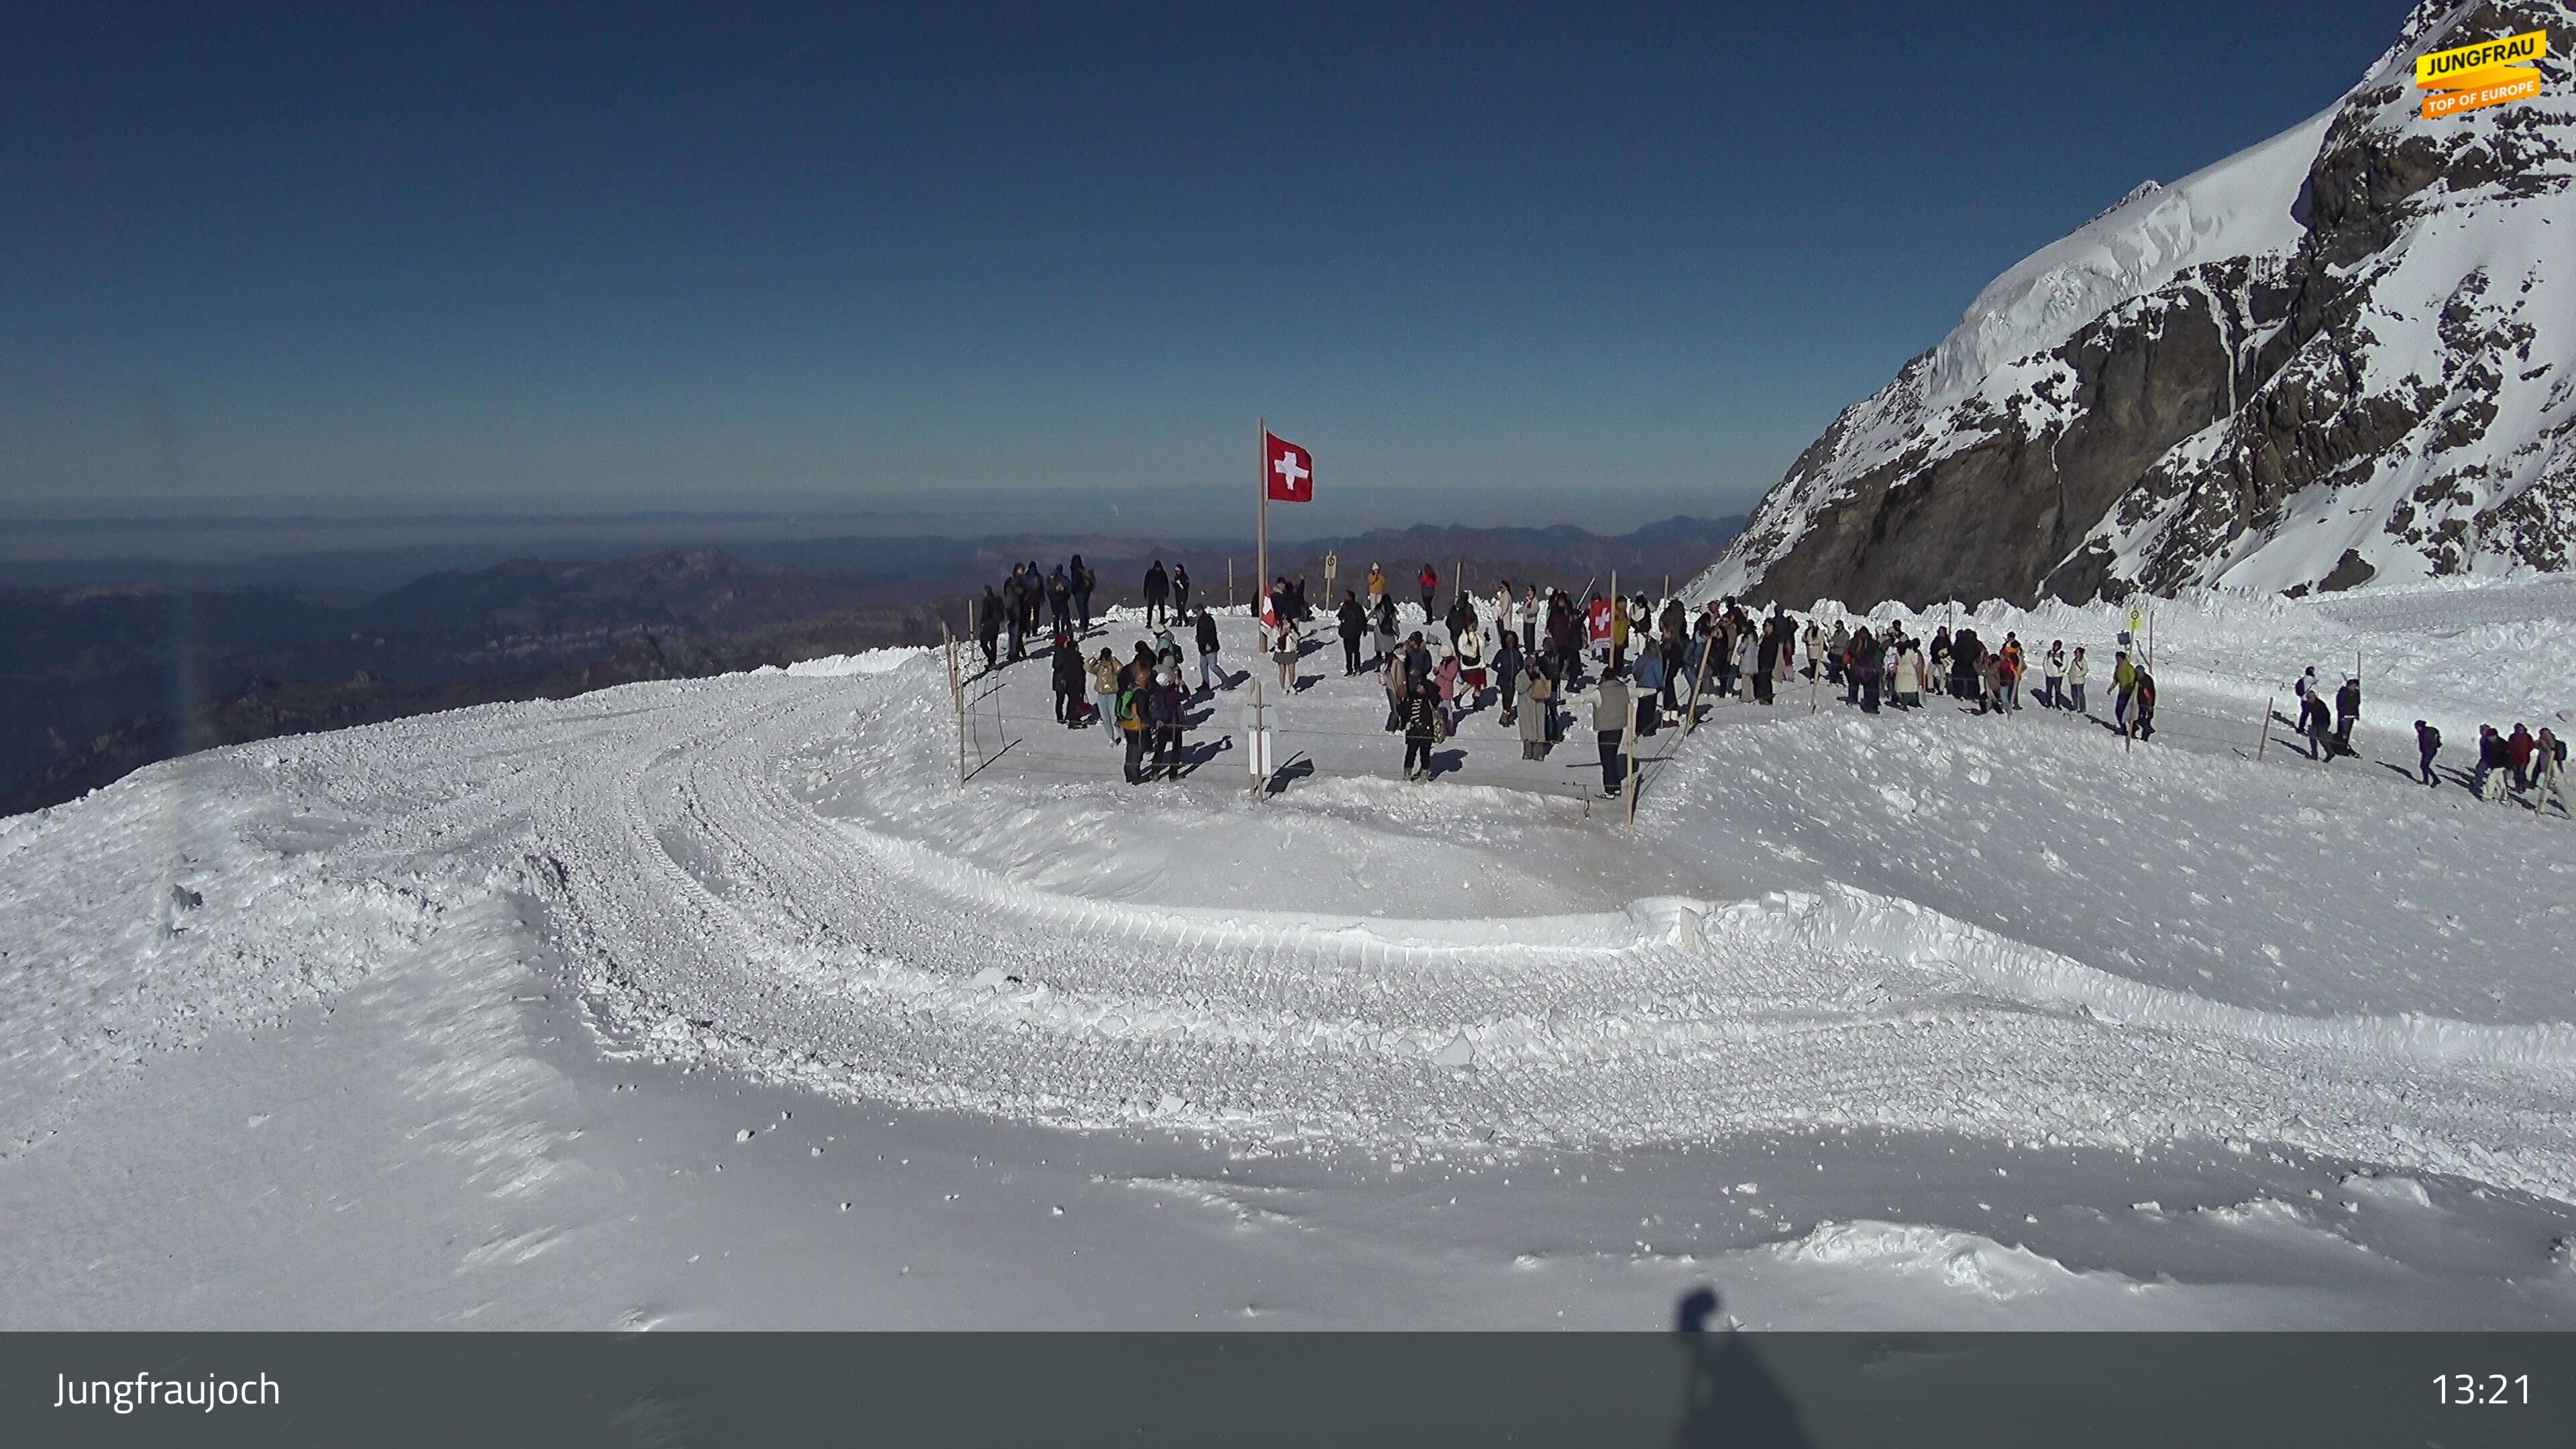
[[2347, 353]]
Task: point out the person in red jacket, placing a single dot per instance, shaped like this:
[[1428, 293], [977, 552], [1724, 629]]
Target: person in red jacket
[[2522, 745], [1430, 582]]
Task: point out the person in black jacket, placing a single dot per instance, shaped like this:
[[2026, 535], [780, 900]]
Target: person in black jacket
[[1168, 713], [2314, 726], [1015, 593], [1158, 593], [2347, 710], [1059, 598], [1207, 652], [2428, 743], [1181, 590], [1421, 713], [1354, 623], [1462, 617], [1084, 581], [988, 626], [1067, 668]]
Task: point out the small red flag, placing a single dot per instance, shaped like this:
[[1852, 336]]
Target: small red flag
[[1291, 473]]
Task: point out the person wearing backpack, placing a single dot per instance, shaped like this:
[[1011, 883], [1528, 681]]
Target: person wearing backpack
[[2428, 743], [1104, 687], [1420, 712], [1131, 720]]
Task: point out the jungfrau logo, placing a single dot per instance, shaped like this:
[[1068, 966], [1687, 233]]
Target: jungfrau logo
[[2473, 77]]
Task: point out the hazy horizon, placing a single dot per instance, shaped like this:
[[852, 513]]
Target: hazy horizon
[[1556, 260], [255, 532]]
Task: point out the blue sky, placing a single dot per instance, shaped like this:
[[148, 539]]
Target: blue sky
[[1577, 263]]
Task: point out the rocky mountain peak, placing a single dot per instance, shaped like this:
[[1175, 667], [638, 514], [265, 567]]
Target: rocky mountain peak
[[2343, 354]]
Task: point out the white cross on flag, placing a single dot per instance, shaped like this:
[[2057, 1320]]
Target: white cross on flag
[[1292, 471]]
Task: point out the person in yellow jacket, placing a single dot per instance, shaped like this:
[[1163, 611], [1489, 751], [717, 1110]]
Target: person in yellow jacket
[[2124, 689], [1376, 587]]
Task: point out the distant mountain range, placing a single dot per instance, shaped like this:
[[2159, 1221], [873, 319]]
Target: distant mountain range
[[104, 679]]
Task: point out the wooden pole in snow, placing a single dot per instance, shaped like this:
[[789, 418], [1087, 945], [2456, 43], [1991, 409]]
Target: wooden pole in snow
[[1699, 682], [1628, 742], [956, 695], [2267, 728]]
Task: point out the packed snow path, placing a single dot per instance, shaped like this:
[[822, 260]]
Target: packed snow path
[[714, 914], [2013, 936]]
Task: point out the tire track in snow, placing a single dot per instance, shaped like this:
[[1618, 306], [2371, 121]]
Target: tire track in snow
[[726, 920]]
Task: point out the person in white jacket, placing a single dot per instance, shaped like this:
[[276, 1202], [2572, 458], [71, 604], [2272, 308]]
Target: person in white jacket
[[1911, 675], [1613, 711], [2077, 672], [2549, 777], [1471, 670], [2053, 670]]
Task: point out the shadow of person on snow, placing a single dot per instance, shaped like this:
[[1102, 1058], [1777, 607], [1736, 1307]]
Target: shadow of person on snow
[[1193, 756], [1729, 1397], [1299, 767]]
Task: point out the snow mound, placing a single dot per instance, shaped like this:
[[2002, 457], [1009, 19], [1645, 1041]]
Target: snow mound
[[1968, 1263]]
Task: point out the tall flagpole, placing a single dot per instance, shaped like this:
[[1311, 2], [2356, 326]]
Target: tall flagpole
[[1260, 583], [1261, 493]]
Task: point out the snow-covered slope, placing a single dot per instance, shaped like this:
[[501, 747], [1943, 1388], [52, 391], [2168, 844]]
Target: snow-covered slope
[[722, 1002], [2346, 354]]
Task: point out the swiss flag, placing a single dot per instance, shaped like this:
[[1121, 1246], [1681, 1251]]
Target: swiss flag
[[1291, 471]]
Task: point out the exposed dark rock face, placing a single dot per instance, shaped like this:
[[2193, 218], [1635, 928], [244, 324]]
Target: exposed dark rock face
[[2390, 394]]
